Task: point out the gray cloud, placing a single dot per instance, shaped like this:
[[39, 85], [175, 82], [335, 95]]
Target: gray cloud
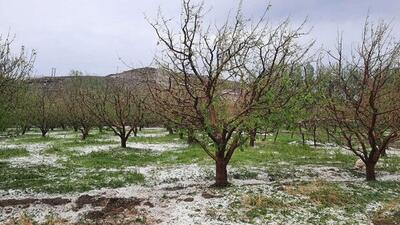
[[90, 35]]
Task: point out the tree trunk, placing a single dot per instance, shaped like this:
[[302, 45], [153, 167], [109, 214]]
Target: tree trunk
[[221, 178], [140, 128], [253, 134], [135, 131], [190, 139], [24, 129], [100, 129], [302, 135], [44, 131], [315, 136], [170, 131], [123, 141], [384, 154], [327, 134], [265, 136], [370, 171], [276, 135], [85, 133]]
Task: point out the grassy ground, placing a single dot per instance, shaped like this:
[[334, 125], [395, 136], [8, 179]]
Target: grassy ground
[[13, 152], [286, 164], [279, 159]]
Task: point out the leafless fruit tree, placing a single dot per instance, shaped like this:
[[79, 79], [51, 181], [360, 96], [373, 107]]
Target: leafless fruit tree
[[216, 76], [73, 95], [117, 104], [363, 96]]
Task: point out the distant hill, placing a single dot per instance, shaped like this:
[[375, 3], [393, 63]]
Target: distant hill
[[133, 76]]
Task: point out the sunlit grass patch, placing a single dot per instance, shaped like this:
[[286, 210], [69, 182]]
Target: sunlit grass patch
[[63, 180], [120, 157], [114, 158], [6, 153], [271, 154]]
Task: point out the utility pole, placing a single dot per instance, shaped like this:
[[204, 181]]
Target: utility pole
[[53, 71]]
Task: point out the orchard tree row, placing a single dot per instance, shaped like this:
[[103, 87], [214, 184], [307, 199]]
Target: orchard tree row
[[82, 103], [228, 81], [224, 85]]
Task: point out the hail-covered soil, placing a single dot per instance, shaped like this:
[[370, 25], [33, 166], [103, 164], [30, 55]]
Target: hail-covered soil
[[34, 158], [287, 192]]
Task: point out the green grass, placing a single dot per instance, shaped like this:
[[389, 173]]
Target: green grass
[[81, 172], [318, 199], [119, 158], [63, 180], [162, 139], [390, 164], [269, 153], [31, 139], [7, 153], [81, 143]]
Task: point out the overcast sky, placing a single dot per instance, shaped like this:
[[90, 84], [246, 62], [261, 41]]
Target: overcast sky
[[91, 35]]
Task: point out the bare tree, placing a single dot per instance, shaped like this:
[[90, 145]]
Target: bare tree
[[73, 96], [361, 98], [15, 67], [214, 79], [45, 110], [117, 104]]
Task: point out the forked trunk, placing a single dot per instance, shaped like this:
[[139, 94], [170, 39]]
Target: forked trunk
[[370, 171], [221, 178], [123, 141], [44, 131]]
